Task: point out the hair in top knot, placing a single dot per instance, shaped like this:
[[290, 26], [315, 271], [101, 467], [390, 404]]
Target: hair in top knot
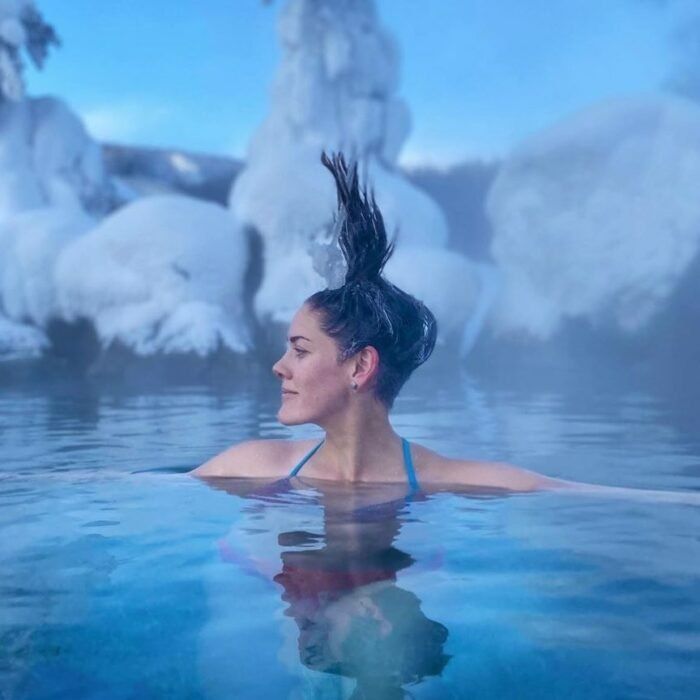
[[361, 233], [368, 310]]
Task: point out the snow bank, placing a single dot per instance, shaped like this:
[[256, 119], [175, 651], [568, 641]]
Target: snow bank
[[163, 274], [31, 243], [598, 217]]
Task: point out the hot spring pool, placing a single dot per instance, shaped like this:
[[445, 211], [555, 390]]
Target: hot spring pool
[[123, 577]]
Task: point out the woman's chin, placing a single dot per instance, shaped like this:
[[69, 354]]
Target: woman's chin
[[287, 418]]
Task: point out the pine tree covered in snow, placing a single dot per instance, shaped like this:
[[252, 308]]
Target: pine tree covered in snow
[[337, 88], [22, 29]]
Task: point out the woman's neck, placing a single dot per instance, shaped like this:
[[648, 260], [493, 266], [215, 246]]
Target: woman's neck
[[362, 446]]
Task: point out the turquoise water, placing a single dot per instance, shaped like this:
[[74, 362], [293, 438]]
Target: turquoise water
[[122, 577]]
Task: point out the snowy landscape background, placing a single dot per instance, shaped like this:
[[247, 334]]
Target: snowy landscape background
[[577, 243]]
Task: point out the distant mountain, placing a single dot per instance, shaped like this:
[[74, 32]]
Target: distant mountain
[[144, 170]]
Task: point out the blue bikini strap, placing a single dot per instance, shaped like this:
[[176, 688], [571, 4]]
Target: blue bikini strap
[[407, 460], [408, 463], [305, 459]]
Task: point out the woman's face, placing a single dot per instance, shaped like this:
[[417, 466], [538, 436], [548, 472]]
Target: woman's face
[[315, 386]]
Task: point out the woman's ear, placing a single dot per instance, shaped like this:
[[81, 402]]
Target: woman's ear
[[365, 365]]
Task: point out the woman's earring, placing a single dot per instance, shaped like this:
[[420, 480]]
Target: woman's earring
[[353, 386]]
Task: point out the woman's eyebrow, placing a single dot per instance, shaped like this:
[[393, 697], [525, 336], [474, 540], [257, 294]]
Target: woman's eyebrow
[[294, 338]]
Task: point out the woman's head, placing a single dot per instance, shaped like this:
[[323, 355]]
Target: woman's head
[[368, 319]]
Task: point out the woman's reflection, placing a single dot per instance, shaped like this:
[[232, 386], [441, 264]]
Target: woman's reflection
[[340, 587]]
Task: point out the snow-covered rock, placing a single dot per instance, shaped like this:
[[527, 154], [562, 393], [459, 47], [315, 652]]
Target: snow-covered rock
[[598, 217], [162, 274], [31, 243]]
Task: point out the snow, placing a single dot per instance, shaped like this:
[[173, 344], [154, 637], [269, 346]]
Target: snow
[[66, 160], [162, 274], [165, 273], [20, 341], [416, 269], [31, 242], [597, 217], [335, 90], [12, 32], [287, 283], [48, 159], [21, 27], [20, 188], [137, 170], [290, 199], [339, 64], [408, 211], [52, 183]]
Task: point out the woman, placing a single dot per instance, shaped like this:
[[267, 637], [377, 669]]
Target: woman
[[350, 350]]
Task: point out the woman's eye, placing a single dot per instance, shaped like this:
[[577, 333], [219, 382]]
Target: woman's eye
[[299, 352]]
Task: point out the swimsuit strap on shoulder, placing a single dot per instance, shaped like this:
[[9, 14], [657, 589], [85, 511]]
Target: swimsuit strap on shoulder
[[305, 459], [407, 460], [408, 463]]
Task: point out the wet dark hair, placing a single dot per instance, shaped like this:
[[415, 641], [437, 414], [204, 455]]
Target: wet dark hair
[[367, 309]]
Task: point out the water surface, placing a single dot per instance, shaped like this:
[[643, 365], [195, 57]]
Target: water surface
[[123, 577]]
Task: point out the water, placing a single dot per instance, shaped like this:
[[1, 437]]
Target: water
[[122, 577]]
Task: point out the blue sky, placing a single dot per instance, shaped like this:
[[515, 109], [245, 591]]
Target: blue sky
[[479, 75]]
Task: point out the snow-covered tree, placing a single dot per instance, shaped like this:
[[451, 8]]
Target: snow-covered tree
[[336, 89], [22, 31], [338, 81], [52, 183]]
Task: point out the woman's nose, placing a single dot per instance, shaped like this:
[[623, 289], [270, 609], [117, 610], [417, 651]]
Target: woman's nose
[[279, 370]]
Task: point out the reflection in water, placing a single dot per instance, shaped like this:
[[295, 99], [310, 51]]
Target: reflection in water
[[340, 587]]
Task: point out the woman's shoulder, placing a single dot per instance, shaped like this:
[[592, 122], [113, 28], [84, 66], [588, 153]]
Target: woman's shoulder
[[256, 459], [435, 469]]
